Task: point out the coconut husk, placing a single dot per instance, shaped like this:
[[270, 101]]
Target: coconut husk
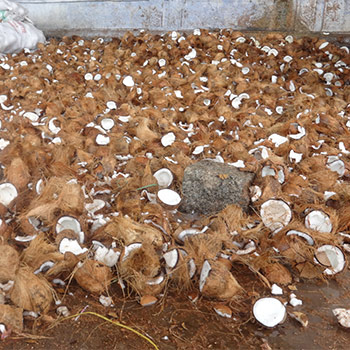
[[11, 317], [58, 196], [220, 283], [143, 285], [31, 292], [9, 263], [179, 275], [277, 273], [40, 251], [127, 231], [63, 267], [18, 173], [143, 260], [203, 246], [93, 276]]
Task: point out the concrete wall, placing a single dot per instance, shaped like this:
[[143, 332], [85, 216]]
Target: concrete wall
[[98, 17]]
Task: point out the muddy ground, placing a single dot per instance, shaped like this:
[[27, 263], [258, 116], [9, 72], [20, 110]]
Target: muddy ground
[[177, 323]]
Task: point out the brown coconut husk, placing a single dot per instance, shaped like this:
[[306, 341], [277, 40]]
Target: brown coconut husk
[[11, 317], [31, 292], [203, 247], [220, 283], [63, 267], [143, 260], [143, 285], [18, 173], [179, 276], [93, 276], [127, 231], [9, 263], [57, 197], [277, 273], [40, 251]]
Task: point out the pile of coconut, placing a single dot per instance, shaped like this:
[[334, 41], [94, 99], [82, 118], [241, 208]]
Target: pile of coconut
[[94, 139]]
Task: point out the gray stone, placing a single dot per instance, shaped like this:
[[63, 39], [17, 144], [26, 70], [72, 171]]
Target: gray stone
[[209, 186]]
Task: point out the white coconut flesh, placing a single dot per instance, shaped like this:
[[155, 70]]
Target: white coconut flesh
[[267, 171], [304, 235], [128, 81], [33, 117], [8, 193], [168, 139], [318, 221], [96, 205], [255, 193], [171, 258], [68, 223], [102, 140], [169, 197], [156, 280], [111, 105], [164, 177], [72, 246], [23, 239], [130, 248], [191, 268], [332, 257], [275, 214], [109, 257], [343, 316], [44, 267], [107, 123], [269, 312], [206, 268], [188, 233], [223, 311]]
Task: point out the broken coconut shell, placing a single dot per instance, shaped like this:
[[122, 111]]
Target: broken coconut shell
[[275, 214], [332, 257]]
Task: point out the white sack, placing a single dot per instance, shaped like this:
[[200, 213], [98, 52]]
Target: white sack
[[16, 30]]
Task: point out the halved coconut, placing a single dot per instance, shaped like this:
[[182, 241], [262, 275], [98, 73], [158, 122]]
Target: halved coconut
[[69, 223], [332, 257], [8, 193], [129, 248], [169, 198], [107, 123], [343, 316], [275, 214], [304, 235], [269, 312], [164, 177], [319, 221]]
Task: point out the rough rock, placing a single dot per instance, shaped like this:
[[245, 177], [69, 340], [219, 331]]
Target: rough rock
[[210, 186]]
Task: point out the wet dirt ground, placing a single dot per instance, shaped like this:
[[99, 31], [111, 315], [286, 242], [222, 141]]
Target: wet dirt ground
[[177, 323]]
